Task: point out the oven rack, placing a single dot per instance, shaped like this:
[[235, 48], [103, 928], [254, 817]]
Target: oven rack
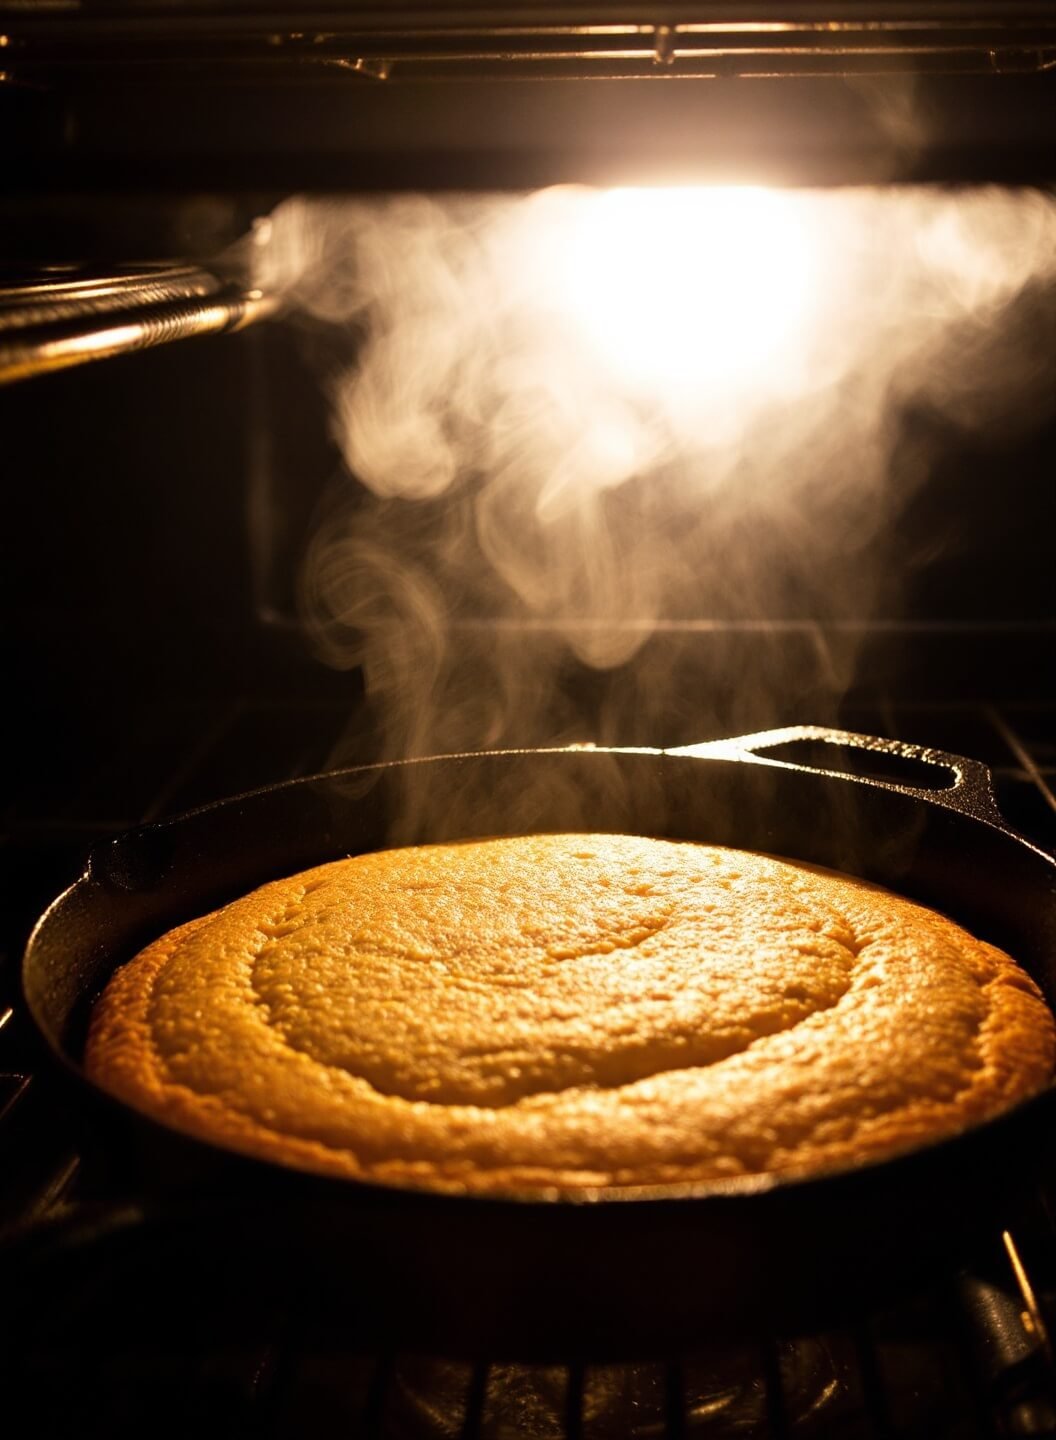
[[127, 1335], [68, 317]]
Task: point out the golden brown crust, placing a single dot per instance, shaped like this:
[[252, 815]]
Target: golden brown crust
[[569, 1011]]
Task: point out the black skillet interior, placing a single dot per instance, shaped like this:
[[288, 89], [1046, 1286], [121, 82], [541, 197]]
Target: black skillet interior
[[631, 1271]]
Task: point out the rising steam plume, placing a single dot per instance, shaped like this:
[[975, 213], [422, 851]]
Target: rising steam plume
[[523, 500]]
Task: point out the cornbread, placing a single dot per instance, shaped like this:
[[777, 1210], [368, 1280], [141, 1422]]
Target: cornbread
[[568, 1011]]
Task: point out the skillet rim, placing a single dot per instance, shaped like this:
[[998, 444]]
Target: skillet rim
[[969, 795]]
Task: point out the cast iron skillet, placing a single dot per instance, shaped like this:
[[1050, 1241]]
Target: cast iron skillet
[[542, 1274]]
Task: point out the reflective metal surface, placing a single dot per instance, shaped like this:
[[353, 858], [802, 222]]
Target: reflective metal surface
[[593, 40], [54, 322]]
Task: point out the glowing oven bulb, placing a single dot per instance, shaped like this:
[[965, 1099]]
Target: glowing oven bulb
[[689, 288]]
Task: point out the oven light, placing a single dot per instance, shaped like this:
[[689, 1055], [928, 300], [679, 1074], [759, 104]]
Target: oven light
[[689, 288]]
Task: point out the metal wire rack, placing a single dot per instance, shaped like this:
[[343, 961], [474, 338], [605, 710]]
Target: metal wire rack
[[68, 318]]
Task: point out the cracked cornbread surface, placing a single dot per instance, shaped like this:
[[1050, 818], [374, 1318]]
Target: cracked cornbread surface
[[569, 1011]]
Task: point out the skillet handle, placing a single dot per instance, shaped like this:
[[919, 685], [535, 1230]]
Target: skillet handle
[[962, 785]]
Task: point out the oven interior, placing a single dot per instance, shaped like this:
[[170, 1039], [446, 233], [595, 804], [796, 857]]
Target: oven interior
[[162, 499]]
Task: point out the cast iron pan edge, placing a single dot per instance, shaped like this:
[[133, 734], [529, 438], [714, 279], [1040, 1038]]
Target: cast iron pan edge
[[610, 1272]]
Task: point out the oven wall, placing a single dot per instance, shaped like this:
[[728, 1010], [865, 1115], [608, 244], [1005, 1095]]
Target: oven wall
[[131, 551]]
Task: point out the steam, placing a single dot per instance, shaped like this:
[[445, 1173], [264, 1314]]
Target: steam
[[524, 498]]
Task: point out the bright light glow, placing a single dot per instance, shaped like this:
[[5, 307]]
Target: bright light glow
[[698, 289]]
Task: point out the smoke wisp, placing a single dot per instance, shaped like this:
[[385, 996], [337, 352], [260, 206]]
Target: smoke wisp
[[573, 421]]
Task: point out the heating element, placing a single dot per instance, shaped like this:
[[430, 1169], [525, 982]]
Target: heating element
[[696, 38], [150, 97]]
